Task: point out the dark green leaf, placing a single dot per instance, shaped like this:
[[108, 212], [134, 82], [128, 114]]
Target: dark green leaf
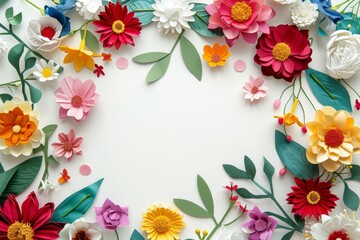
[[250, 168], [136, 236], [288, 235], [234, 172], [5, 177], [14, 55], [35, 94], [351, 199], [2, 2], [61, 69], [158, 70], [243, 192], [293, 155], [328, 91], [268, 170], [145, 14], [16, 20], [5, 97], [52, 160], [191, 208], [77, 204], [149, 57], [30, 60], [91, 41], [1, 168], [191, 57], [300, 221], [205, 195], [49, 130], [355, 172], [201, 22], [38, 149]]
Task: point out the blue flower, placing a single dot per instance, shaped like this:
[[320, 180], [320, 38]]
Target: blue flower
[[64, 21], [325, 8], [66, 6], [351, 23]]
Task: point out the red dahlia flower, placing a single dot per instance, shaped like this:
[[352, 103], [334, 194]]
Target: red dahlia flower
[[117, 26], [311, 198], [31, 222], [284, 52]]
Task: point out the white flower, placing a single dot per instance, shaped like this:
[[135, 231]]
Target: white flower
[[338, 227], [44, 33], [46, 186], [46, 71], [173, 15], [227, 234], [3, 48], [285, 1], [89, 9], [303, 14], [80, 229], [343, 54]]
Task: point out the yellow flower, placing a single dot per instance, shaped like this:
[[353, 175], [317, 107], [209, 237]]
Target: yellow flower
[[162, 223], [334, 138], [216, 55], [290, 118]]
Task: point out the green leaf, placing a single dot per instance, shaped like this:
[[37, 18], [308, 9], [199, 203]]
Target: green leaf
[[250, 168], [3, 1], [52, 160], [293, 155], [191, 57], [205, 195], [9, 13], [77, 204], [288, 235], [5, 177], [91, 41], [355, 172], [35, 94], [1, 168], [16, 20], [201, 22], [14, 55], [351, 199], [5, 97], [191, 208], [243, 192], [328, 91], [234, 172], [145, 14], [38, 149], [268, 170], [150, 57], [300, 221], [49, 130], [136, 236], [30, 60], [158, 70]]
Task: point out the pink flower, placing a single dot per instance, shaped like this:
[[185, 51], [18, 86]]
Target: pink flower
[[111, 216], [76, 98], [68, 145], [237, 18], [254, 89]]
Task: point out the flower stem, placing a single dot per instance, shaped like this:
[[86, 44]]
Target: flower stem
[[351, 88], [117, 235], [229, 223], [35, 6], [221, 221], [77, 205], [143, 10], [80, 28], [177, 41]]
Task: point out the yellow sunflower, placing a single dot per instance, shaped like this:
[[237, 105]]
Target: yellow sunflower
[[162, 223]]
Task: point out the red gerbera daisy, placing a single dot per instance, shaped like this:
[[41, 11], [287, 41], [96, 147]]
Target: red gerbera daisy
[[117, 26], [31, 222], [311, 198], [284, 52]]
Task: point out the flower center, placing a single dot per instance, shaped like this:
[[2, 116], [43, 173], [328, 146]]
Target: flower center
[[48, 32], [313, 197], [334, 138], [215, 58], [338, 235], [161, 224], [241, 11], [20, 231], [118, 27], [281, 51], [254, 90], [68, 146], [47, 72], [16, 129], [81, 235], [76, 101], [260, 225]]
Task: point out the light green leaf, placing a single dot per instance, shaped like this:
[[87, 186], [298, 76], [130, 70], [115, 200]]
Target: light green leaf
[[52, 160], [243, 192], [191, 208], [136, 236], [91, 41], [205, 195], [158, 70], [351, 199], [143, 10], [16, 20], [234, 172], [150, 57], [268, 170], [49, 130], [5, 177], [35, 94], [250, 168], [14, 55], [191, 57], [201, 22], [9, 13], [5, 97]]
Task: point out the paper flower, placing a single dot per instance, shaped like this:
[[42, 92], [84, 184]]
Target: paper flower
[[76, 98], [240, 18], [80, 229], [254, 89], [311, 198], [19, 133], [285, 1], [280, 56], [46, 71], [68, 145], [325, 8], [173, 15], [216, 55], [62, 19], [65, 6], [334, 138], [117, 26], [227, 234], [89, 9], [357, 104], [343, 54], [31, 222], [162, 223], [99, 70], [290, 118], [111, 216], [304, 14], [260, 226], [3, 48], [46, 187]]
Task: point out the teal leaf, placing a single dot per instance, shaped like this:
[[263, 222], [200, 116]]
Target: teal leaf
[[5, 97], [288, 235], [201, 22], [49, 130], [77, 204], [14, 55], [293, 155], [268, 170], [328, 91], [1, 168], [150, 57], [136, 236], [91, 41], [5, 177], [243, 192], [191, 208], [205, 195], [158, 70], [142, 9], [191, 57], [355, 172], [35, 94], [351, 199], [250, 168], [234, 172], [30, 60]]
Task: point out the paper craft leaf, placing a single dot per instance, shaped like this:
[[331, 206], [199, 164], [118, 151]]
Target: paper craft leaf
[[52, 160], [30, 60], [1, 168], [205, 195], [243, 192], [136, 236], [351, 199], [191, 208], [5, 97], [2, 1], [300, 221], [234, 172], [35, 94], [14, 55], [250, 168], [5, 178], [91, 41], [38, 149], [268, 170], [158, 70], [328, 91], [146, 14], [288, 235], [355, 172], [77, 204], [9, 13], [13, 20], [293, 155], [150, 57], [191, 57], [49, 130], [201, 22]]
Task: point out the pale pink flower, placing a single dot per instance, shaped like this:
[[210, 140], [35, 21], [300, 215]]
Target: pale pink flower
[[254, 89], [68, 145], [76, 98]]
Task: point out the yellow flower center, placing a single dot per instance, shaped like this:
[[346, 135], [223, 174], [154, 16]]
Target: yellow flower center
[[215, 58], [47, 72], [20, 231], [241, 11], [161, 224], [313, 197], [281, 51], [118, 27], [81, 235], [334, 138], [16, 129]]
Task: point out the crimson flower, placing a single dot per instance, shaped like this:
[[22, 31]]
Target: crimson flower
[[117, 26], [357, 104], [29, 222], [284, 52], [232, 187], [99, 70]]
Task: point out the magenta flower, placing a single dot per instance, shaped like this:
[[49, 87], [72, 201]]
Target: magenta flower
[[240, 18], [75, 98], [260, 226], [68, 145], [254, 89], [111, 216]]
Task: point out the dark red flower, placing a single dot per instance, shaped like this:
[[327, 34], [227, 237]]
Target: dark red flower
[[357, 104], [311, 198], [284, 52], [99, 70]]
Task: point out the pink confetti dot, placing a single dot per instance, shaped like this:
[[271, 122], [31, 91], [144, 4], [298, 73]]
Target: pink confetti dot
[[122, 63], [239, 65], [85, 170]]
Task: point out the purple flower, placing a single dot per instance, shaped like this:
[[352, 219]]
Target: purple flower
[[111, 216], [261, 226]]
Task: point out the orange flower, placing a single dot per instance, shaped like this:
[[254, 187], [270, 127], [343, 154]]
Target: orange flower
[[290, 118], [216, 55], [106, 57]]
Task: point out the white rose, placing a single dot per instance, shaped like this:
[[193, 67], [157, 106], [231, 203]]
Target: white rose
[[343, 54]]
